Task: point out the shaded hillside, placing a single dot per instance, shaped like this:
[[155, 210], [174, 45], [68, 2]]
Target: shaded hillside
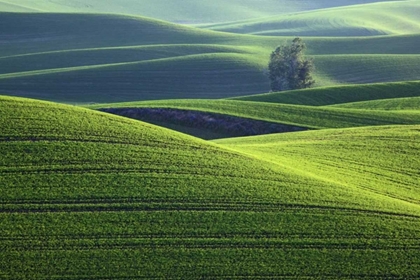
[[408, 103], [82, 58]]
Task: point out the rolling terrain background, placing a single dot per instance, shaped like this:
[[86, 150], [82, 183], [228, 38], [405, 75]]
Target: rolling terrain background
[[92, 57], [184, 11]]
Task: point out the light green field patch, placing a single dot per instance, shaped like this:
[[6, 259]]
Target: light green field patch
[[409, 103], [381, 159]]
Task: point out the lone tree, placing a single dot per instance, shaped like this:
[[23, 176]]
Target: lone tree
[[288, 69]]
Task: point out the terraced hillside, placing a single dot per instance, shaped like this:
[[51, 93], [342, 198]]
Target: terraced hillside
[[185, 11], [383, 18], [109, 58], [86, 194]]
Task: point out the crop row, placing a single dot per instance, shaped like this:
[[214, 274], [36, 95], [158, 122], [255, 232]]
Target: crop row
[[262, 242], [202, 262], [217, 224]]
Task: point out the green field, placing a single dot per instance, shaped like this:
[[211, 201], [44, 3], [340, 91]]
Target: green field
[[88, 194], [409, 103], [82, 58], [92, 195], [386, 153]]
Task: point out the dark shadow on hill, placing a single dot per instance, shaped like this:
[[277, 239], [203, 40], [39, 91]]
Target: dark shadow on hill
[[204, 125]]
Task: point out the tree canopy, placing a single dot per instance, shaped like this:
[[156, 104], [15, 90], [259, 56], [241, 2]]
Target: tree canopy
[[288, 68]]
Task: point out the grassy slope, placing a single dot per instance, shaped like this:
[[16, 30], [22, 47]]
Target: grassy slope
[[409, 103], [187, 11], [42, 52], [340, 94], [382, 159], [304, 116], [383, 18], [89, 194]]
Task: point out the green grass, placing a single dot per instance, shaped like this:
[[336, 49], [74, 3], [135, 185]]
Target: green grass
[[298, 115], [381, 159], [383, 18], [409, 103], [87, 194], [341, 94]]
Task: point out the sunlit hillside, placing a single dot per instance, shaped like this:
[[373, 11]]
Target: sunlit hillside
[[86, 194]]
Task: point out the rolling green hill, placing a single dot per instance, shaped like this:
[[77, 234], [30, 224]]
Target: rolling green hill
[[27, 33], [185, 11], [384, 18], [90, 195], [87, 194], [111, 58], [340, 94], [381, 159], [180, 77], [409, 103]]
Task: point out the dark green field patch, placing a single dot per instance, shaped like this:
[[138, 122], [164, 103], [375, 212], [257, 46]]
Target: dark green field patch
[[203, 124]]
